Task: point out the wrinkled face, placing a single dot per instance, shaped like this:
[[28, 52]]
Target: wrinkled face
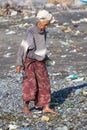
[[43, 25]]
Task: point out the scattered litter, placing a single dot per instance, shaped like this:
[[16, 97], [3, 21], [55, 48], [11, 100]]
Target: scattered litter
[[85, 91], [12, 127], [62, 128], [63, 56], [45, 118], [50, 63], [13, 13], [78, 91], [8, 55], [9, 47], [79, 79], [25, 128], [12, 66], [67, 70], [11, 32], [73, 76], [60, 111]]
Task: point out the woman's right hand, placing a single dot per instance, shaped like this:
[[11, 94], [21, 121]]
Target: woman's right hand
[[18, 69]]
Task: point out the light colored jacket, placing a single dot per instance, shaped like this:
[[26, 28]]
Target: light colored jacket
[[33, 46]]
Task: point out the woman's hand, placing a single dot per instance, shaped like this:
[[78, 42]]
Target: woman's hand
[[18, 69]]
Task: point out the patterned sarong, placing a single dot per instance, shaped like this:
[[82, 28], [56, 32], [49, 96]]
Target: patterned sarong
[[36, 84]]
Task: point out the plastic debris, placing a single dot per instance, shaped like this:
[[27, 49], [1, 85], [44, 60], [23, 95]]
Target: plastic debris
[[9, 47], [45, 118], [73, 76], [25, 128], [67, 36], [7, 55], [69, 105], [78, 91], [62, 128], [50, 63], [79, 79], [10, 32], [12, 127], [85, 91], [13, 13], [60, 111]]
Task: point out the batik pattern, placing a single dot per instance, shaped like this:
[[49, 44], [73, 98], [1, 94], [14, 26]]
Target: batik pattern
[[36, 84]]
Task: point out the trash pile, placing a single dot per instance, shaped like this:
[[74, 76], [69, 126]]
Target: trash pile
[[69, 99], [67, 68], [10, 10]]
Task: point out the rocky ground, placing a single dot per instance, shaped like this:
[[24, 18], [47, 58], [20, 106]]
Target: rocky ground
[[67, 49]]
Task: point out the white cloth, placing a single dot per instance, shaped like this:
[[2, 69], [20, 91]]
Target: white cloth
[[41, 52], [44, 15]]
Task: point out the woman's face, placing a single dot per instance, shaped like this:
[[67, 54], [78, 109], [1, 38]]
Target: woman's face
[[43, 25]]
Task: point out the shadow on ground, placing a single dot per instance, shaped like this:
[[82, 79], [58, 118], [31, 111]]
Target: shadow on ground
[[59, 97]]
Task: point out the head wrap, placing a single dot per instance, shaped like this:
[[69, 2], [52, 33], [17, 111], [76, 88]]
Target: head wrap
[[44, 15]]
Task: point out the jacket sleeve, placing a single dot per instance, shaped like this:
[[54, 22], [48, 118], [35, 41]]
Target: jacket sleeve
[[20, 54], [27, 43]]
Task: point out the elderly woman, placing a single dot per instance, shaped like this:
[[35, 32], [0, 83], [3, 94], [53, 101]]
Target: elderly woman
[[31, 57]]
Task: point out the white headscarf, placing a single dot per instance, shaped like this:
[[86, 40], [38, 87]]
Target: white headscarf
[[44, 15]]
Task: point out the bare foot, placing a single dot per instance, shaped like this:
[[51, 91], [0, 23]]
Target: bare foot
[[26, 111], [48, 110]]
